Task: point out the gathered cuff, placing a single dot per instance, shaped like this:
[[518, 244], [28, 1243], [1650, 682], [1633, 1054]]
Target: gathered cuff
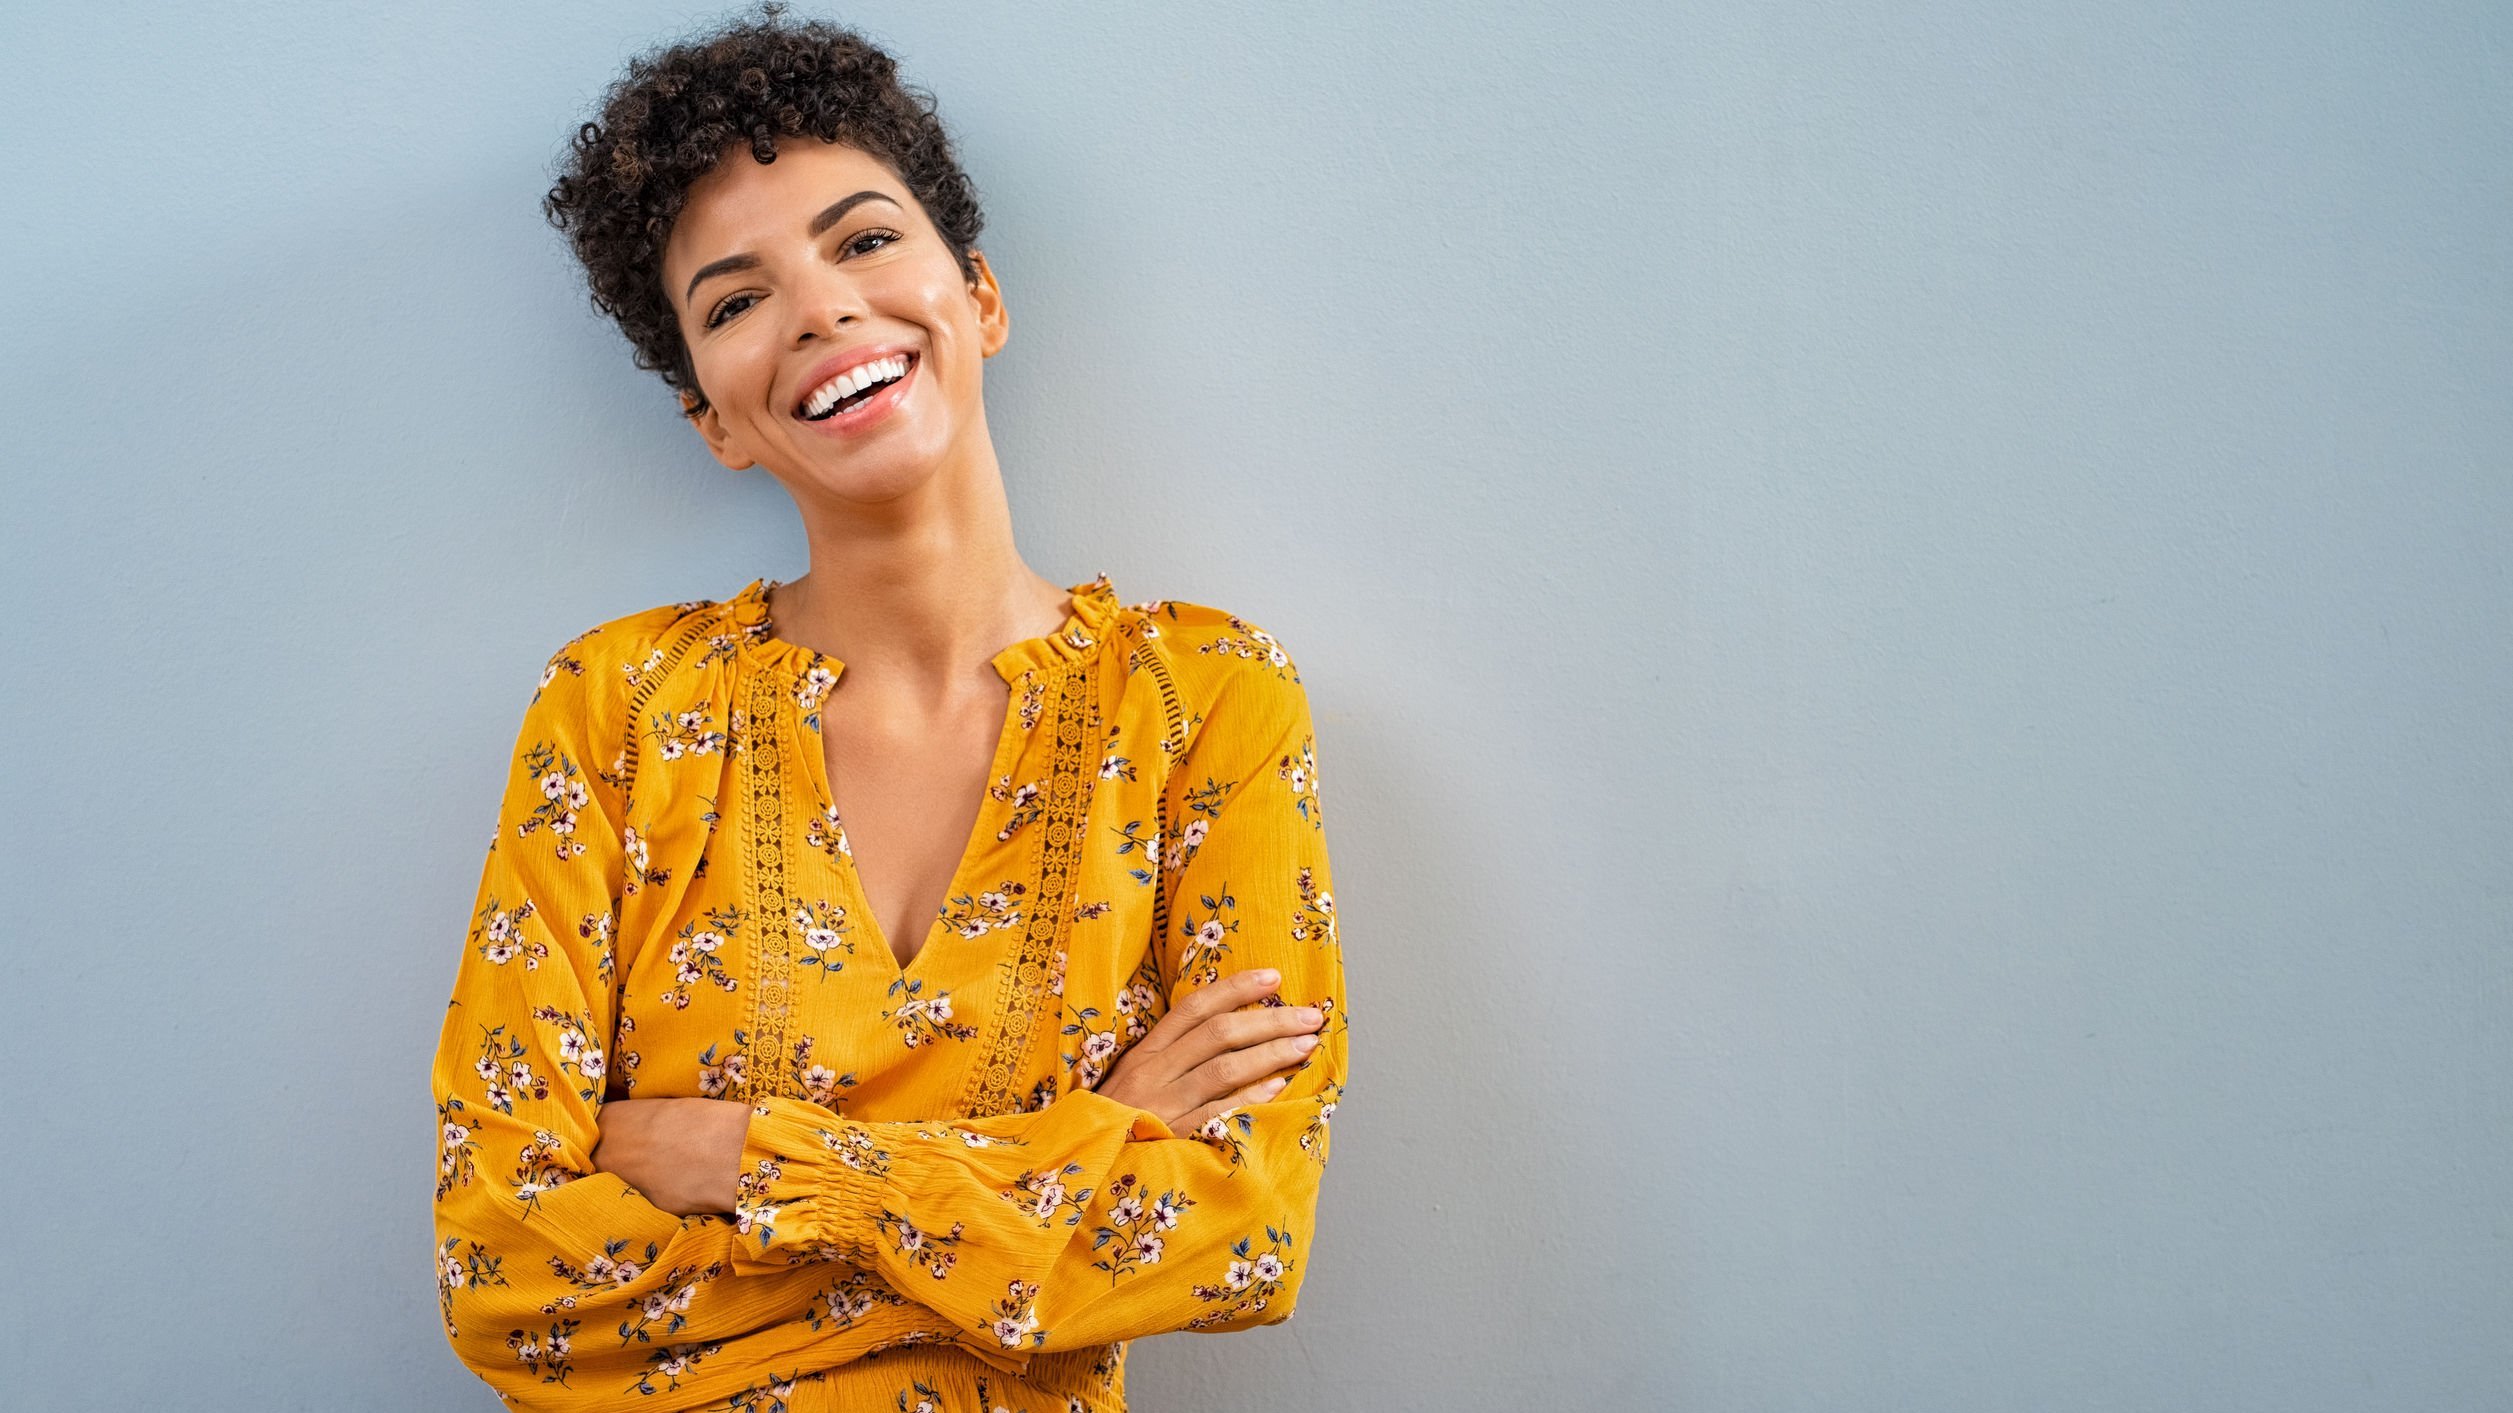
[[811, 1186], [908, 1201]]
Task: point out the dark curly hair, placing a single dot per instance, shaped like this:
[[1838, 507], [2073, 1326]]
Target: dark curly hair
[[679, 110]]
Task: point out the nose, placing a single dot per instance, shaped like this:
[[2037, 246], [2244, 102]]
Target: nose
[[826, 305]]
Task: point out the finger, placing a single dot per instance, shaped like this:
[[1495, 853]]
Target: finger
[[1228, 993], [1225, 1073], [1187, 1036], [1256, 1093], [1241, 1029], [1212, 999]]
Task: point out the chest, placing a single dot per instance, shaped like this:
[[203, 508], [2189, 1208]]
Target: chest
[[752, 956], [910, 793]]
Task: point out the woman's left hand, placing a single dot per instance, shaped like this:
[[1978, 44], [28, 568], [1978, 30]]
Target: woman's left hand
[[683, 1155]]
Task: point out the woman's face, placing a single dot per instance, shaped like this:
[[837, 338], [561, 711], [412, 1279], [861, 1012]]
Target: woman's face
[[784, 274]]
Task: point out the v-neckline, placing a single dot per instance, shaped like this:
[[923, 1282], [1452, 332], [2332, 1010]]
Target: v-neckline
[[1090, 608], [817, 758]]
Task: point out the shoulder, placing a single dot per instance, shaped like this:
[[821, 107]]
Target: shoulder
[[1212, 645], [597, 669], [1234, 677]]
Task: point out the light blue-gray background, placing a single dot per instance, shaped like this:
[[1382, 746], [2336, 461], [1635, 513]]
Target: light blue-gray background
[[1908, 610]]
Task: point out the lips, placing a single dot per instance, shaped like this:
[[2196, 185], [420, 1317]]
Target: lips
[[845, 362], [875, 408]]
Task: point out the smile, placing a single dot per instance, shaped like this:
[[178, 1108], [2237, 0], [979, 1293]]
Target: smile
[[852, 390]]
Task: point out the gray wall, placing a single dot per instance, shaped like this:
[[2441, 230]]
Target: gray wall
[[1907, 608]]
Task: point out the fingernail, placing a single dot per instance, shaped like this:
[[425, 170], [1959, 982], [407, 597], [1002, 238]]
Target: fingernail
[[1305, 1042], [1312, 1014], [1269, 976], [1275, 1085]]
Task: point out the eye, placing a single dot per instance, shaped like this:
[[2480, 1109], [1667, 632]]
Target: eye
[[857, 240], [733, 304]]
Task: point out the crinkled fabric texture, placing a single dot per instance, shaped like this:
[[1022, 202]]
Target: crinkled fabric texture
[[936, 1209]]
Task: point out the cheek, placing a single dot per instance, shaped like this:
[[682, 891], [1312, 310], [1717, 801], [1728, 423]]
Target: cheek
[[735, 367], [936, 299]]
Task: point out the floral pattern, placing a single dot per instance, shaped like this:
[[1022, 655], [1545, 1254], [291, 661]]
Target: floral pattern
[[563, 793], [1252, 642], [719, 1076], [670, 1363], [1131, 1016], [1299, 774], [685, 921], [540, 1165], [1043, 1197], [923, 1019], [687, 733], [929, 1251], [457, 1151], [503, 1069], [697, 956], [976, 915], [545, 1356], [823, 926], [638, 870], [577, 1049], [1313, 1135], [824, 832], [1016, 1316], [1020, 806], [817, 1082], [1228, 1131], [462, 1263], [499, 935], [848, 1300], [1251, 1281], [854, 1146], [1132, 1233], [1315, 921], [1208, 937], [1131, 839]]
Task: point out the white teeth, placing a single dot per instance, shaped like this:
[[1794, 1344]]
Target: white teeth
[[855, 380]]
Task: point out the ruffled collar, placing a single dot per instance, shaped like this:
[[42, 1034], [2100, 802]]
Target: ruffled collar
[[1090, 619]]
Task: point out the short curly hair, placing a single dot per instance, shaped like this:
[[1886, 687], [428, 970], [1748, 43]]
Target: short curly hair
[[681, 109]]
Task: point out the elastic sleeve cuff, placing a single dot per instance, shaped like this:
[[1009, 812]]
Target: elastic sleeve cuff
[[810, 1188]]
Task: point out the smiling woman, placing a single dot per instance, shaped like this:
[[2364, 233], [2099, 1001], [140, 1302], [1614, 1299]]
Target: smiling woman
[[905, 985], [887, 293]]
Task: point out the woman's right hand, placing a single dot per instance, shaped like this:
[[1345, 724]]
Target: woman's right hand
[[1206, 1055]]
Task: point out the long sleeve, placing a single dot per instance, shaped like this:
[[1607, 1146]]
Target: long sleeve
[[560, 1285], [1089, 1221]]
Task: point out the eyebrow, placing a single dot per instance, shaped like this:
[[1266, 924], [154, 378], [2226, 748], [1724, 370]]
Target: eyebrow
[[829, 216]]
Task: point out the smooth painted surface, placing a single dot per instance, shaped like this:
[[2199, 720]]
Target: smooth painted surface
[[1907, 607]]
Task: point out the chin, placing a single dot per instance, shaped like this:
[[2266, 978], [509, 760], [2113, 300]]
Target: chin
[[869, 479]]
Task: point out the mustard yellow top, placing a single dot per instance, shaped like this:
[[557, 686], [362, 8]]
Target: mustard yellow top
[[937, 1211]]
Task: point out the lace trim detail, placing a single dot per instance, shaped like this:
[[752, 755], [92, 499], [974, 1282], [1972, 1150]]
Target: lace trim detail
[[1173, 750], [1079, 742], [666, 663], [772, 905]]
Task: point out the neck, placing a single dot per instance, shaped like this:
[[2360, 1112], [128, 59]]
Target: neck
[[918, 593]]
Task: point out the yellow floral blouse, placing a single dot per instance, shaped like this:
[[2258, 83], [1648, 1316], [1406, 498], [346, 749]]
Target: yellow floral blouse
[[937, 1212]]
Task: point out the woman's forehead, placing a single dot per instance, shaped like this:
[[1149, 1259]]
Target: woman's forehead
[[742, 200]]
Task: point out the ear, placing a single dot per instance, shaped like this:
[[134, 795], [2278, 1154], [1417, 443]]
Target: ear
[[994, 321], [710, 426]]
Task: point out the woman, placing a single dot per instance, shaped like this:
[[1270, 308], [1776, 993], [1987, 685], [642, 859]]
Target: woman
[[902, 986]]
